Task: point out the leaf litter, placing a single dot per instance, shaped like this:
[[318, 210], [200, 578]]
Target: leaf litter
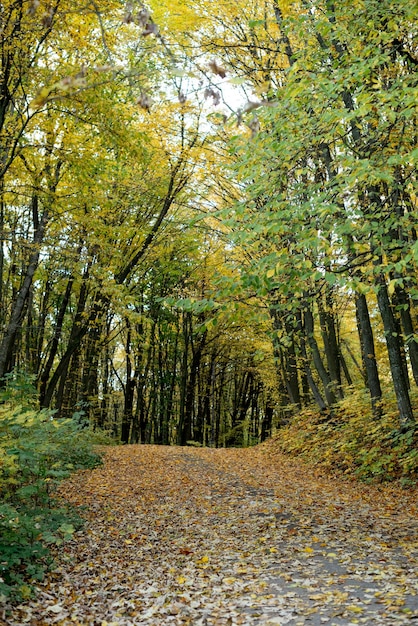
[[195, 536]]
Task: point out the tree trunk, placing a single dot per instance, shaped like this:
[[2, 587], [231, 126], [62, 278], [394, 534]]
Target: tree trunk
[[316, 357], [78, 332], [16, 316], [2, 303], [181, 428], [402, 300], [46, 371], [332, 350], [41, 325], [286, 358], [89, 381], [188, 433], [129, 388], [267, 421], [368, 353], [397, 369]]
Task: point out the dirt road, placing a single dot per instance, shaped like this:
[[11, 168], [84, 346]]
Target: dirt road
[[222, 537]]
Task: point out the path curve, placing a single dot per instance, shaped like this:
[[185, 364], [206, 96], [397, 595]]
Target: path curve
[[193, 536]]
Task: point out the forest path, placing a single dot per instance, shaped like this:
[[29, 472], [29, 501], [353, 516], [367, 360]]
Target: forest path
[[211, 537]]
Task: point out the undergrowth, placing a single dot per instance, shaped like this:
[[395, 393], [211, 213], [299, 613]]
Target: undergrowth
[[351, 441], [37, 451]]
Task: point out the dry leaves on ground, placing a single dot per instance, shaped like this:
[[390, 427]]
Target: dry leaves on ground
[[202, 536]]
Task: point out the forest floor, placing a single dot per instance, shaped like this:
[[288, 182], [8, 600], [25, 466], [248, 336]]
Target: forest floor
[[231, 536]]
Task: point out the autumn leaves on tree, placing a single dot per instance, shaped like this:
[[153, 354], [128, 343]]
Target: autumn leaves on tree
[[208, 212]]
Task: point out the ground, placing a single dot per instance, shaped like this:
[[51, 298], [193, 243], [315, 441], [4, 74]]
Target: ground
[[221, 537]]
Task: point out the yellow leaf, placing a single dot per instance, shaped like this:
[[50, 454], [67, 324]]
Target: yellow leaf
[[204, 559], [181, 580], [40, 98], [317, 596], [391, 287], [25, 591]]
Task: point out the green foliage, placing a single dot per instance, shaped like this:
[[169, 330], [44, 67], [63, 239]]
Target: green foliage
[[26, 535], [235, 436], [351, 441], [41, 450], [36, 453], [19, 389]]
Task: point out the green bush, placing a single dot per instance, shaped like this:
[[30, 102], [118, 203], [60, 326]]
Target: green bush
[[37, 451], [26, 533]]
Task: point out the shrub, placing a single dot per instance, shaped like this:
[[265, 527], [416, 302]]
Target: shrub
[[37, 451]]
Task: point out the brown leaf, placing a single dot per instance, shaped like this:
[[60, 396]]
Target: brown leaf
[[143, 17], [144, 101], [217, 69], [150, 29], [34, 4]]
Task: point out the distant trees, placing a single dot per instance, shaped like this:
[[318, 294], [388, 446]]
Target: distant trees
[[92, 189]]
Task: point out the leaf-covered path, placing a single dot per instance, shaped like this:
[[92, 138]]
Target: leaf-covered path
[[203, 536]]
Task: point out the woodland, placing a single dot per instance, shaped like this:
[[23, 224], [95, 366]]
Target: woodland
[[208, 237], [208, 212]]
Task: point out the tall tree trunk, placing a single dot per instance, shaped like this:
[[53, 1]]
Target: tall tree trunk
[[169, 407], [397, 369], [46, 371], [368, 353], [329, 336], [286, 358], [312, 384], [211, 400], [30, 340], [402, 300], [104, 404], [183, 379], [218, 407], [43, 314], [316, 357], [291, 371], [129, 388], [90, 376], [267, 421], [361, 370], [67, 397], [188, 433], [78, 332], [16, 316], [2, 240], [346, 371]]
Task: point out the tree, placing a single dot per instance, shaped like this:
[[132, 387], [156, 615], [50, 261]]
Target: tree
[[205, 179], [325, 172]]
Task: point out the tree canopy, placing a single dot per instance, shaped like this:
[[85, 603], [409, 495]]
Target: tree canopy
[[208, 212]]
